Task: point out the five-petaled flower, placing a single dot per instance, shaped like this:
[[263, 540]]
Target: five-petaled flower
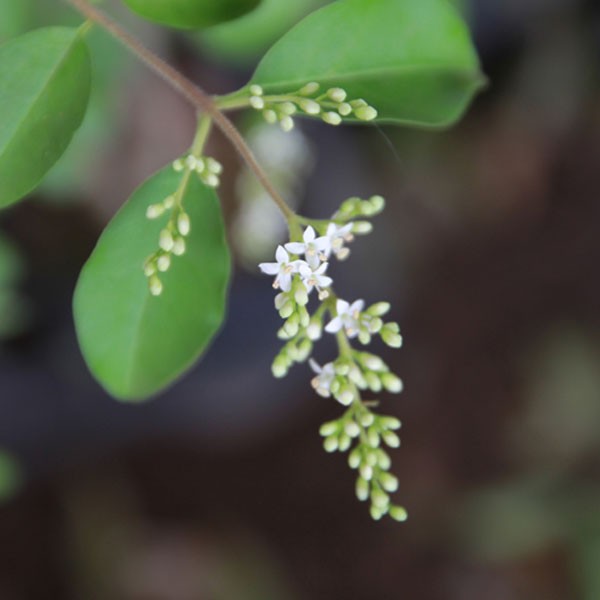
[[324, 378], [315, 279], [348, 317], [284, 269], [315, 249]]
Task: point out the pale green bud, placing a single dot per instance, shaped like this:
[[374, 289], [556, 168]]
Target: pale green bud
[[354, 459], [344, 442], [365, 113], [384, 462], [337, 94], [366, 472], [166, 240], [376, 512], [179, 247], [373, 382], [329, 428], [373, 437], [257, 102], [331, 444], [301, 295], [391, 383], [163, 263], [309, 89], [279, 368], [391, 439], [380, 499], [362, 489], [169, 202], [372, 362], [304, 350], [389, 423], [352, 429], [310, 107], [344, 109], [366, 419], [156, 286], [371, 458], [314, 329], [346, 395], [286, 310], [154, 211], [378, 203], [183, 224], [287, 123], [331, 118], [178, 165], [256, 90], [149, 269], [291, 326], [214, 166], [358, 103], [398, 513], [378, 309], [270, 116], [389, 482], [362, 227], [288, 108]]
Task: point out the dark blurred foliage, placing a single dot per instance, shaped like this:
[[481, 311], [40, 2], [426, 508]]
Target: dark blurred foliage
[[219, 489]]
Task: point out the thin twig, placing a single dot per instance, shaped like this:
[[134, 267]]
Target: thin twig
[[195, 95]]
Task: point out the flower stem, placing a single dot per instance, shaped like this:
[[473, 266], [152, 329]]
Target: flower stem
[[194, 94]]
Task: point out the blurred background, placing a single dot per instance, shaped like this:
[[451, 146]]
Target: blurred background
[[219, 489]]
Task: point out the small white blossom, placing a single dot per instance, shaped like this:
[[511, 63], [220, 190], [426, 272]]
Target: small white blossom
[[315, 249], [325, 377], [348, 317], [338, 236], [315, 279], [283, 269]]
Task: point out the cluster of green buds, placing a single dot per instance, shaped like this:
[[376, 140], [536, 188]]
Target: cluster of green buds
[[299, 269], [171, 240], [368, 432], [332, 106], [207, 168]]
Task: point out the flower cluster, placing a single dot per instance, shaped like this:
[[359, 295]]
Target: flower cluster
[[207, 168], [301, 267], [331, 106], [171, 241], [370, 432]]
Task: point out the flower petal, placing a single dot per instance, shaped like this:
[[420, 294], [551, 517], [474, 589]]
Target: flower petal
[[334, 325], [309, 235], [296, 247], [269, 268], [281, 255]]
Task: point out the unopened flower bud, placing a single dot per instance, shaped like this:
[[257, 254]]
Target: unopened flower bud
[[287, 123], [183, 224], [362, 489], [380, 499], [331, 444], [166, 240], [154, 211], [270, 116], [391, 439], [391, 383], [163, 263], [256, 90], [362, 227], [398, 513], [378, 309], [310, 107], [288, 108], [344, 109], [257, 102], [337, 94], [331, 118], [179, 247], [279, 367], [329, 428], [156, 286], [365, 113], [354, 459], [309, 89], [314, 329], [352, 429], [389, 482]]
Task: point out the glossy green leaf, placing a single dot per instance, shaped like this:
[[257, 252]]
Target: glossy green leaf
[[44, 90], [412, 60], [136, 344], [191, 14], [245, 40]]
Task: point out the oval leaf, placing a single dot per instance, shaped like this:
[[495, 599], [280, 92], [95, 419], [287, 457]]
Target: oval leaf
[[191, 14], [134, 343], [44, 91], [412, 60]]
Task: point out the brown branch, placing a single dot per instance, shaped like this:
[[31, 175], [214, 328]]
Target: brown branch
[[194, 94]]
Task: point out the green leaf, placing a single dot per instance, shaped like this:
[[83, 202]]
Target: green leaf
[[11, 476], [245, 40], [412, 60], [134, 343], [191, 14], [44, 90]]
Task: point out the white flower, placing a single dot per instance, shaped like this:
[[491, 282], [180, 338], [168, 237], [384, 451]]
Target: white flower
[[348, 317], [338, 235], [325, 377], [315, 279], [283, 269], [314, 248]]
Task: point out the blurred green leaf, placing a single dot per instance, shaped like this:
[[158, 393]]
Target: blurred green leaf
[[191, 14], [10, 476], [44, 90], [245, 40], [14, 17], [413, 61], [134, 343]]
